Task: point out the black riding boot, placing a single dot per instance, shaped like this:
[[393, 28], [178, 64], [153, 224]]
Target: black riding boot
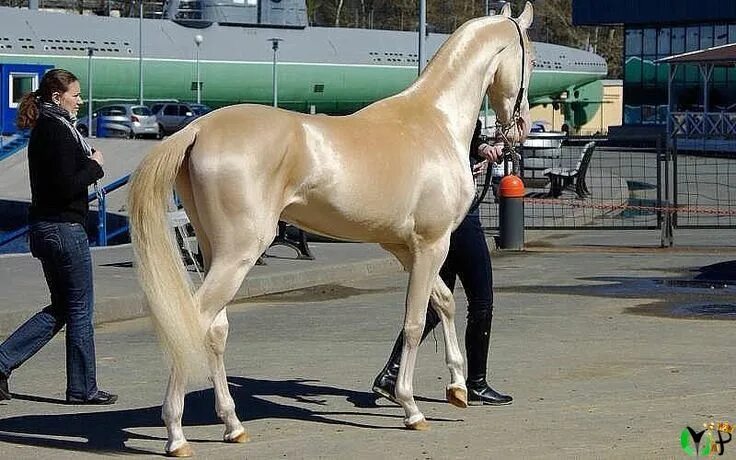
[[477, 341], [385, 382]]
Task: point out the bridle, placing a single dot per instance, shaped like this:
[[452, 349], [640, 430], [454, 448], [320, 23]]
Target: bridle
[[503, 130]]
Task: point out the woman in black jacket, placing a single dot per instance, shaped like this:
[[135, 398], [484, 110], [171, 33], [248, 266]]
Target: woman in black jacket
[[62, 166]]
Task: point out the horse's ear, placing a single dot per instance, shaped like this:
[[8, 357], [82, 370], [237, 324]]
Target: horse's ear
[[506, 10], [525, 18]]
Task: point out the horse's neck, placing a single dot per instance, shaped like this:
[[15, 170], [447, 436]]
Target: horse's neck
[[455, 81]]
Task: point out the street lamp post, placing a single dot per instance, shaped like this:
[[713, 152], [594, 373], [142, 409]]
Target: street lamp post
[[422, 35], [140, 52], [90, 52], [275, 83], [198, 39]]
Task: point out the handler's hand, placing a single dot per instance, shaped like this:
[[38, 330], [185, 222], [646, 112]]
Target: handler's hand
[[480, 168], [492, 153], [97, 156]]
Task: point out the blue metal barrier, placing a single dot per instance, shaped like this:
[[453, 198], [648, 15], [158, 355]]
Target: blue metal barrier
[[102, 236]]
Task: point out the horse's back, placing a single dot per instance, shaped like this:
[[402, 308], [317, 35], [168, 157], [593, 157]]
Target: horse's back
[[354, 177]]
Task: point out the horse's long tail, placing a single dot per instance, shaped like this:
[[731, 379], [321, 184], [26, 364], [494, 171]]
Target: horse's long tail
[[161, 271]]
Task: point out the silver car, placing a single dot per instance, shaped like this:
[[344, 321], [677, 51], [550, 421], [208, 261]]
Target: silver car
[[173, 116], [121, 120]]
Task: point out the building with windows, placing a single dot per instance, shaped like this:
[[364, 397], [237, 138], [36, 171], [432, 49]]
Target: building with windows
[[657, 29]]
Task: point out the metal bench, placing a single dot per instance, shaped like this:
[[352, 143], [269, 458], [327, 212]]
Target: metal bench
[[561, 179], [187, 241]]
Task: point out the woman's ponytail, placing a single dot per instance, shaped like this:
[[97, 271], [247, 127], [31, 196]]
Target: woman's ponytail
[[28, 111]]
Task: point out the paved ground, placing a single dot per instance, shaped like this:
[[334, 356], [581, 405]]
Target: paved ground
[[588, 338]]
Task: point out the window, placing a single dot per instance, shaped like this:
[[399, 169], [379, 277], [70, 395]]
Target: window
[[143, 111], [632, 69], [632, 115], [692, 73], [678, 40], [648, 114], [112, 111], [171, 110], [184, 110], [156, 107], [663, 74], [650, 41], [633, 42], [706, 37], [649, 70], [663, 42], [692, 38], [20, 85], [720, 35]]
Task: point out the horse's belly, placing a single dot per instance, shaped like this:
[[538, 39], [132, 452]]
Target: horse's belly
[[353, 225]]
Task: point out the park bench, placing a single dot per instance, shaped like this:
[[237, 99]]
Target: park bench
[[561, 179], [189, 248]]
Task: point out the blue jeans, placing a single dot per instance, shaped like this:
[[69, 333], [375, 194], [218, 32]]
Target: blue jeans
[[63, 250], [470, 260]]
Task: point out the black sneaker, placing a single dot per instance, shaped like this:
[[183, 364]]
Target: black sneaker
[[100, 398], [4, 390], [385, 385], [485, 395]]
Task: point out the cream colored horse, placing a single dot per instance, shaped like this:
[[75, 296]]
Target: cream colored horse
[[395, 173]]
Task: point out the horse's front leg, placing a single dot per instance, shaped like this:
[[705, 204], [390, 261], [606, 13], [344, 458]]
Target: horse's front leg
[[444, 303], [424, 270]]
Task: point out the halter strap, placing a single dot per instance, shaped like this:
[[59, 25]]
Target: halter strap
[[503, 129]]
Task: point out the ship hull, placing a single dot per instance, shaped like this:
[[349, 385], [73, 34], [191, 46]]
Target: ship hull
[[328, 70]]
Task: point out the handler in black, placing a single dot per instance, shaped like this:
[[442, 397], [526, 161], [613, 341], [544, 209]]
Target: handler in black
[[469, 259], [61, 165]]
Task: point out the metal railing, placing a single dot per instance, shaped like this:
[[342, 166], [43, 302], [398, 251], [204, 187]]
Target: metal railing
[[102, 235], [623, 187], [711, 125]]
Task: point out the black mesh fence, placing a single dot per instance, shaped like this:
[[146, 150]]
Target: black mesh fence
[[581, 182], [704, 189]]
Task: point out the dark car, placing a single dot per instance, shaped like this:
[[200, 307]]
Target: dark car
[[173, 116], [121, 120]]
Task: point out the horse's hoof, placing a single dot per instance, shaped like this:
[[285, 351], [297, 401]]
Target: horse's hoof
[[421, 425], [239, 439], [458, 397], [184, 451]]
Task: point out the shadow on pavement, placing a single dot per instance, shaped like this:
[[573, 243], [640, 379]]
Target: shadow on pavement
[[107, 432]]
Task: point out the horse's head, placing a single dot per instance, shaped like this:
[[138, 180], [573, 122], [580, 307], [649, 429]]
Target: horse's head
[[508, 90]]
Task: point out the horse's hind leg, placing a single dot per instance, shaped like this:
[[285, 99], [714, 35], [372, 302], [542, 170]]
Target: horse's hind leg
[[224, 405], [232, 258], [173, 408], [444, 304]]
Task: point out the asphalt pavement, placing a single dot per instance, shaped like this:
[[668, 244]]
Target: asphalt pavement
[[610, 345]]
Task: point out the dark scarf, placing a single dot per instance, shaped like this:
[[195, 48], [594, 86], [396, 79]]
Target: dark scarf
[[63, 115]]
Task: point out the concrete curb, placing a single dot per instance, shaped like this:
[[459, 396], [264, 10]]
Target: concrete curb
[[109, 309]]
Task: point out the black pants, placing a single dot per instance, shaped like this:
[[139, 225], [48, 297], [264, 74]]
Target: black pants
[[470, 260]]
